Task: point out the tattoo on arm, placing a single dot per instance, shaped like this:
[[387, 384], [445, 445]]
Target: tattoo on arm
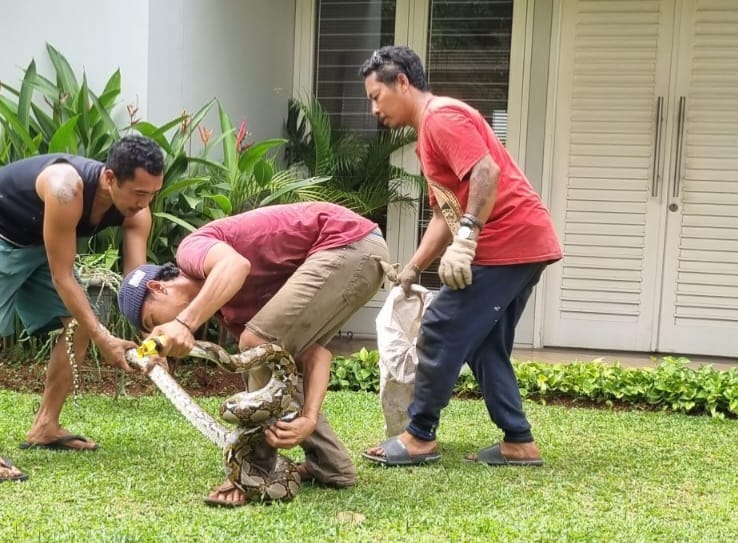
[[481, 187]]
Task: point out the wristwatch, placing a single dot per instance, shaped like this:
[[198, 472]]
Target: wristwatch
[[466, 229]]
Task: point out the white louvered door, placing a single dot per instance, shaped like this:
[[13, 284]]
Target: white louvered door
[[646, 91], [699, 309], [613, 65]]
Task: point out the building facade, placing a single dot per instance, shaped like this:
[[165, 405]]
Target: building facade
[[623, 114]]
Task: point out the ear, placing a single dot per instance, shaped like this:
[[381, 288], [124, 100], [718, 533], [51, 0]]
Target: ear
[[156, 286], [108, 177], [403, 82]]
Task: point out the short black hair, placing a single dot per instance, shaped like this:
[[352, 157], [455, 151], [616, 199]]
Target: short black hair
[[168, 271], [393, 60], [131, 152]]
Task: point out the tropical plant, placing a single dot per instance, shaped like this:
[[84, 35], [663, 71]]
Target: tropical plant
[[248, 177], [176, 210], [70, 117], [362, 176], [61, 114]]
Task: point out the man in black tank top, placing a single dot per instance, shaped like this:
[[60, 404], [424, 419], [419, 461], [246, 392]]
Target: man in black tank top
[[46, 203]]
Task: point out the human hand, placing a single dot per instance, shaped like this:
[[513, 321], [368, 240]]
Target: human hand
[[285, 435], [114, 349], [153, 362], [455, 267], [179, 340], [407, 277]]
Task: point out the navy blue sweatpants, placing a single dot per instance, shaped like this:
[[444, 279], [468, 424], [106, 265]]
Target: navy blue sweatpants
[[474, 325]]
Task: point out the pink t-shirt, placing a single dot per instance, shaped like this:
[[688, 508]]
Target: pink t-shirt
[[452, 138], [276, 240]]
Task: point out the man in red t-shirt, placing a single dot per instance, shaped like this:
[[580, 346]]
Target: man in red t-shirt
[[495, 237], [288, 274]]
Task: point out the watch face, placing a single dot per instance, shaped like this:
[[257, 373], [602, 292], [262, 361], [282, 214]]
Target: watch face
[[464, 232]]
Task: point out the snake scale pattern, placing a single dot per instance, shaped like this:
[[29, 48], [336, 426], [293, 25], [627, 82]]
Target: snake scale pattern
[[251, 464]]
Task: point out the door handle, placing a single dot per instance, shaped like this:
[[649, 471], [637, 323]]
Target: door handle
[[656, 172], [679, 144]]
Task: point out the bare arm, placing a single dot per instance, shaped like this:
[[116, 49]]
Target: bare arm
[[136, 231], [60, 187], [316, 367], [483, 180], [225, 273], [435, 240]]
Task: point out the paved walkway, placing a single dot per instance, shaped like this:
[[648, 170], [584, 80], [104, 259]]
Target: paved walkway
[[345, 346]]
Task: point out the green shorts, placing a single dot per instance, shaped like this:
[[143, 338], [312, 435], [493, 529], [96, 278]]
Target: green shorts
[[26, 289]]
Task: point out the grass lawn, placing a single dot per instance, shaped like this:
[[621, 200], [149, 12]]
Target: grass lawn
[[610, 476]]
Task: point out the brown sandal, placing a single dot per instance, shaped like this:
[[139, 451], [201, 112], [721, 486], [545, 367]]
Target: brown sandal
[[8, 472], [220, 502]]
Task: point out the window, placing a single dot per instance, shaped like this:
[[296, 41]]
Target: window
[[468, 58], [347, 33]]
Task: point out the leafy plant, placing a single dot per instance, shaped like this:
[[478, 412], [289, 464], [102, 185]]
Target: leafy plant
[[176, 210], [670, 386], [247, 177], [68, 118], [362, 176], [360, 371]]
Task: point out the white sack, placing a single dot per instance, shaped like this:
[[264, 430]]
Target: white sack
[[398, 323]]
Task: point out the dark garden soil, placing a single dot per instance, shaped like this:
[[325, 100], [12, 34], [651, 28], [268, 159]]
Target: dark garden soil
[[197, 377]]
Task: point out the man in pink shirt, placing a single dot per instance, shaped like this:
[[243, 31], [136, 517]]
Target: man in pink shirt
[[288, 274], [494, 236]]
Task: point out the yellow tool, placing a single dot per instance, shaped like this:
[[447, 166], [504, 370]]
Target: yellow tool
[[151, 346]]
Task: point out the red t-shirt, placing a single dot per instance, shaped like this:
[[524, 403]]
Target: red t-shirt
[[276, 240], [452, 138]]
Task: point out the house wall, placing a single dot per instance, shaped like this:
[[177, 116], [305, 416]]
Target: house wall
[[95, 36], [239, 51], [172, 54]]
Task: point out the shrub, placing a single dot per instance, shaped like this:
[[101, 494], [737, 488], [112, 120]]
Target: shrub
[[670, 386]]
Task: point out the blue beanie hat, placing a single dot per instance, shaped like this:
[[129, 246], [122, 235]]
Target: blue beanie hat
[[133, 291]]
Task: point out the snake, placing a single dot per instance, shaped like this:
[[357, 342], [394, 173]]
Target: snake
[[251, 464]]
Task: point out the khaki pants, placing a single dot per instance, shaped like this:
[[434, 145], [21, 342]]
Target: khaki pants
[[322, 294]]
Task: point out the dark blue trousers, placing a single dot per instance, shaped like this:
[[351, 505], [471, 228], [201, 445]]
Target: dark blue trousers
[[474, 325]]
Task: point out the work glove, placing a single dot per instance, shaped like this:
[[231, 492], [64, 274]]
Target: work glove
[[455, 267], [407, 277]]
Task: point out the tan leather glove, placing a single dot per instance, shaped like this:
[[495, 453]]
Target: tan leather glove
[[407, 277], [455, 267]]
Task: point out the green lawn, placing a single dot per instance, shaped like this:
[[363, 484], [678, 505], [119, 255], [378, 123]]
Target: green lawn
[[610, 476]]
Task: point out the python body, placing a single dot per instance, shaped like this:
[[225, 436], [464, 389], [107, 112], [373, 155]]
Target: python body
[[252, 465]]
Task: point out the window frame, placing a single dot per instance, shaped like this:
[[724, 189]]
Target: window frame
[[411, 26]]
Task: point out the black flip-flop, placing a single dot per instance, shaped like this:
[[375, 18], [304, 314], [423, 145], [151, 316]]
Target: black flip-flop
[[61, 444]]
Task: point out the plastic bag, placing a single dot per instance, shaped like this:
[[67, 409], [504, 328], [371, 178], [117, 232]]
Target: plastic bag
[[398, 323]]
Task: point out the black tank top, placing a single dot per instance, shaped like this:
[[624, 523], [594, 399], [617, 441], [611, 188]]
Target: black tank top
[[22, 211]]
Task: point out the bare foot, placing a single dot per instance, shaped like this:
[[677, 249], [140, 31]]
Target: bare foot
[[513, 452], [305, 474], [520, 451], [226, 495], [414, 446]]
